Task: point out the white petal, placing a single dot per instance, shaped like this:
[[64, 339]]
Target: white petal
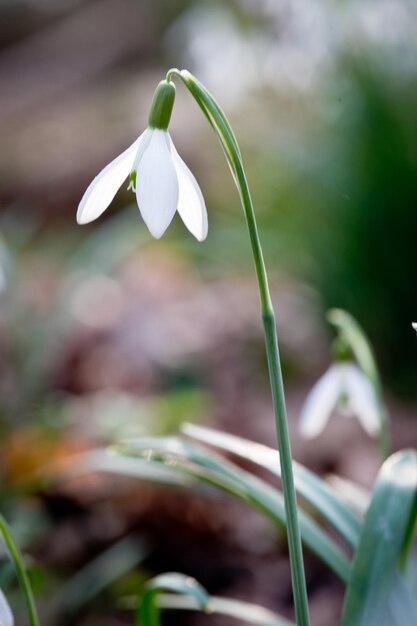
[[6, 615], [145, 137], [362, 399], [157, 184], [414, 325], [320, 402], [104, 187], [191, 205]]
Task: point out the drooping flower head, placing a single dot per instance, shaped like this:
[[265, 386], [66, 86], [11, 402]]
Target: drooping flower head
[[157, 175], [346, 388]]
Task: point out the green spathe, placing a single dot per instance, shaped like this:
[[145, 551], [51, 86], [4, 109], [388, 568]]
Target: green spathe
[[162, 104]]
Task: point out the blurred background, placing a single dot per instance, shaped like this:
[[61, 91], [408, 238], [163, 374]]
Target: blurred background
[[105, 333]]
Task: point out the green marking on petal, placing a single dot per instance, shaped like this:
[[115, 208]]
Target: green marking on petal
[[132, 180], [343, 401]]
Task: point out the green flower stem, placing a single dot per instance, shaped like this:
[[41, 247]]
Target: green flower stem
[[20, 569], [221, 126]]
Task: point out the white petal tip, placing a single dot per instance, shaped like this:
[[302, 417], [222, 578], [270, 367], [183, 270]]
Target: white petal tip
[[81, 220], [201, 237], [156, 234], [157, 229]]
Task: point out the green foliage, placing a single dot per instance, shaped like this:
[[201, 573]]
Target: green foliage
[[192, 596], [97, 575], [310, 487], [20, 569], [148, 612], [375, 582], [200, 463], [379, 585]]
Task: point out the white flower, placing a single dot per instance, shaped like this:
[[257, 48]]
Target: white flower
[[6, 615], [346, 387], [414, 325], [161, 180]]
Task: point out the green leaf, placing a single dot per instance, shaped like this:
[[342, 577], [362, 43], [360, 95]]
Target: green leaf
[[96, 576], [309, 486], [190, 595], [148, 612], [402, 604], [20, 569], [386, 528], [243, 611], [103, 460], [198, 462]]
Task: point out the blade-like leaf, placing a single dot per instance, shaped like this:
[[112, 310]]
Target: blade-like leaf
[[20, 569], [205, 465], [190, 595], [243, 611], [103, 460], [97, 575], [309, 486], [402, 604], [148, 612], [385, 530]]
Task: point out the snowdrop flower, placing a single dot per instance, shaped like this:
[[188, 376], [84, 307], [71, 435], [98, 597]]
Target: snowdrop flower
[[345, 387], [6, 615], [157, 175]]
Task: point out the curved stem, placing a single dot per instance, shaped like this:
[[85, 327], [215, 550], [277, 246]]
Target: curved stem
[[227, 139], [20, 570]]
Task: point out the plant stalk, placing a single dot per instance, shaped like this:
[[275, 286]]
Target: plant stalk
[[221, 126], [281, 422]]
